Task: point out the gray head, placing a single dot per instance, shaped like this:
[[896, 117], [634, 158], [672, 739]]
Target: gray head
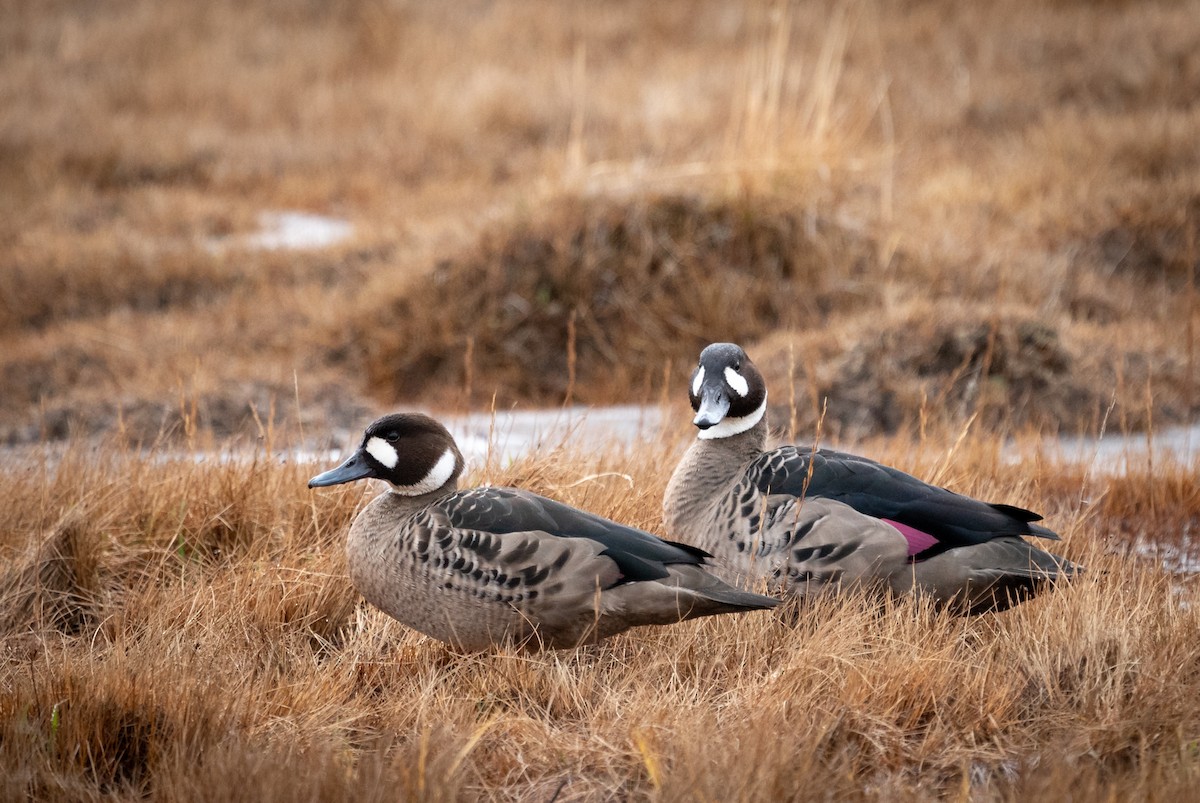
[[409, 450], [727, 392]]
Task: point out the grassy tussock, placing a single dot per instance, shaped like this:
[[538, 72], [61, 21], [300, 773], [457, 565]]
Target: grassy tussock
[[996, 368], [191, 623], [603, 294]]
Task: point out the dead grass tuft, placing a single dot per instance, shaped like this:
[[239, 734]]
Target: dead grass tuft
[[623, 287], [57, 585], [1002, 368], [1153, 242]]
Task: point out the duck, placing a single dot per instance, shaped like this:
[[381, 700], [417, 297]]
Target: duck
[[480, 567], [810, 520]]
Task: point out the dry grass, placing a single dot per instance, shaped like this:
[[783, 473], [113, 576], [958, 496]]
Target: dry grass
[[641, 178], [187, 630], [944, 217], [602, 295], [1001, 367]]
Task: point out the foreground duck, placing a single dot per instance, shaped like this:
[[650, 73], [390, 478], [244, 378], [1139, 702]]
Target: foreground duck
[[808, 520], [482, 566]]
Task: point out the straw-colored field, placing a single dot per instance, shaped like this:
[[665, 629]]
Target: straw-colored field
[[189, 631], [949, 231]]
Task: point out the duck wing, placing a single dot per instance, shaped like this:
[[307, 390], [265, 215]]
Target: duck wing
[[932, 519], [638, 554]]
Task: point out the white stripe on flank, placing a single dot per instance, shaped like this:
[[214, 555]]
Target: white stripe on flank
[[383, 451], [698, 381], [438, 476], [736, 381], [734, 426]]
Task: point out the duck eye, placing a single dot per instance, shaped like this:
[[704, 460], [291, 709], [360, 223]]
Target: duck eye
[[392, 436]]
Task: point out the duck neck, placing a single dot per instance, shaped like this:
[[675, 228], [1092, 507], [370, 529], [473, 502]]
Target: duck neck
[[398, 499], [704, 475], [373, 532]]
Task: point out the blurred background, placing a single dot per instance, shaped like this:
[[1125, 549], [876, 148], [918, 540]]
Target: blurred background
[[226, 218]]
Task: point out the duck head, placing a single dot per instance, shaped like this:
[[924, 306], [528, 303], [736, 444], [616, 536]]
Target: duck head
[[727, 392], [412, 452]]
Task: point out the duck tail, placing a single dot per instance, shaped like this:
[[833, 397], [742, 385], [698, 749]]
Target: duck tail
[[1052, 567], [1043, 532], [720, 596]]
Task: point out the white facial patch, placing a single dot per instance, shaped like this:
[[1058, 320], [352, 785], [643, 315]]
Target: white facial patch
[[736, 381], [734, 426], [698, 381], [383, 451], [438, 476]]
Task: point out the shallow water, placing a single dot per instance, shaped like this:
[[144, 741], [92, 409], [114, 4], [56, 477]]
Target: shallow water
[[1115, 454], [289, 230], [516, 433], [506, 436], [1179, 557]]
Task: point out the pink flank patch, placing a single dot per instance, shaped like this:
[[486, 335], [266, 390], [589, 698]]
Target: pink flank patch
[[918, 541]]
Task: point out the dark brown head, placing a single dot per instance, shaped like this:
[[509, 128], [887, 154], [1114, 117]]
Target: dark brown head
[[727, 392], [411, 451]]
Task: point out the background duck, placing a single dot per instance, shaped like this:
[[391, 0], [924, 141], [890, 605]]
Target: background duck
[[477, 567], [810, 519]]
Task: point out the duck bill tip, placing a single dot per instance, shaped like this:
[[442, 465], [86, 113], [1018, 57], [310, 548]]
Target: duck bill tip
[[354, 468], [712, 411]]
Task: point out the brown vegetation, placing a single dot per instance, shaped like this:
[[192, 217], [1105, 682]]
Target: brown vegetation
[[602, 295], [924, 220], [1002, 368], [582, 202], [187, 630]]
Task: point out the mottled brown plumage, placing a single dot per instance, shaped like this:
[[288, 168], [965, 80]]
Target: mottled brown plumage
[[811, 520], [478, 567]]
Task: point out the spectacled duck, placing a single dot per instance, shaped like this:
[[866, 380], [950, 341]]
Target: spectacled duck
[[481, 566], [811, 519]]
